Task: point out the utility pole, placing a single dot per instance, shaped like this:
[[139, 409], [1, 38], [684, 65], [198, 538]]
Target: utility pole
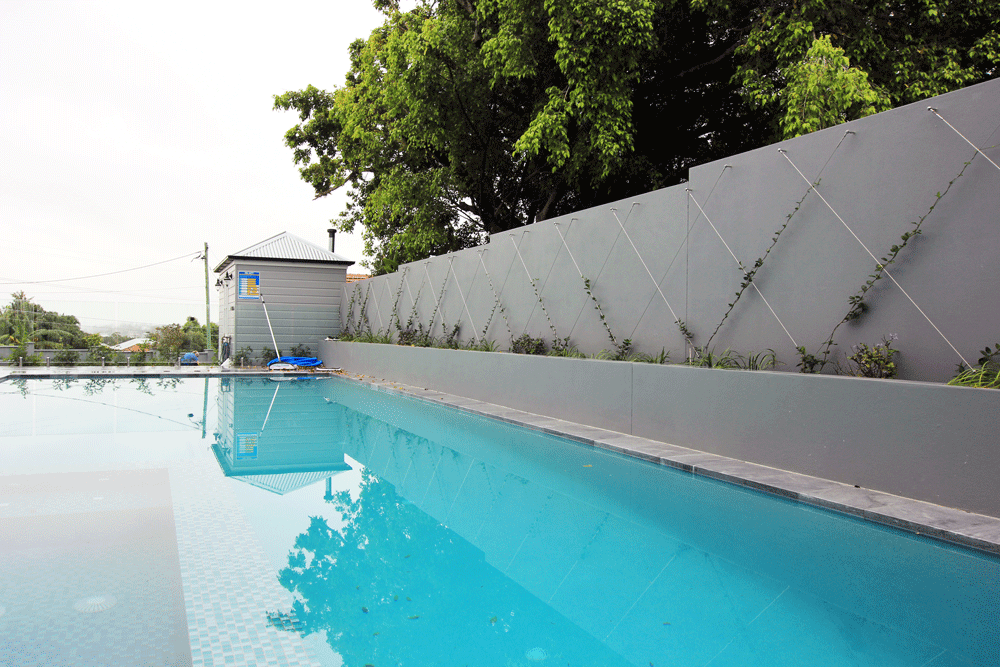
[[208, 321]]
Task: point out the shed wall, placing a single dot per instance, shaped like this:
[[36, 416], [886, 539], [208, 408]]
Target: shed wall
[[303, 303]]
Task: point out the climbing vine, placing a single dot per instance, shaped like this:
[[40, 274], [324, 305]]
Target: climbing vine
[[558, 344], [623, 350], [496, 305], [399, 293], [748, 276], [814, 363], [348, 321]]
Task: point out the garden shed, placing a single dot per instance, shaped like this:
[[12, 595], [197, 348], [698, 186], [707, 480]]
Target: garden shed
[[300, 283]]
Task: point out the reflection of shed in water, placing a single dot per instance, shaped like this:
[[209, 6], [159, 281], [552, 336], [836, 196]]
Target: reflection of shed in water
[[278, 435]]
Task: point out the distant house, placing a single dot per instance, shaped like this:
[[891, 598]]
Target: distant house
[[300, 284], [133, 345]]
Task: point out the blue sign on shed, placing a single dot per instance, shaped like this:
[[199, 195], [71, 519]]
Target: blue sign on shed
[[249, 285]]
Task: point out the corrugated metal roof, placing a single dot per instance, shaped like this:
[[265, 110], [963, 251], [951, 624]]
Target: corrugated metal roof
[[132, 342], [290, 246], [287, 247], [288, 482]]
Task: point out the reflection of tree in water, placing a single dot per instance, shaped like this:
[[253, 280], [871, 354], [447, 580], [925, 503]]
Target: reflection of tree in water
[[97, 385], [168, 383], [396, 587], [375, 585], [141, 385]]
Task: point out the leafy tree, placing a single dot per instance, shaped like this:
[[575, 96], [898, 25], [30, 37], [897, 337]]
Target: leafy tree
[[824, 90], [114, 338], [168, 341], [98, 352], [172, 340], [460, 119], [22, 321], [901, 52]]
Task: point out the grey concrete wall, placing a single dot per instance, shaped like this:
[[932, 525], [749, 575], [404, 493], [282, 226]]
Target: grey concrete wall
[[303, 303], [670, 257], [926, 441]]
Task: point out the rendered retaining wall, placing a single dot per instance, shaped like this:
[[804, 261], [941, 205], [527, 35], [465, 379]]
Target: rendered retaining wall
[[919, 440], [676, 254]]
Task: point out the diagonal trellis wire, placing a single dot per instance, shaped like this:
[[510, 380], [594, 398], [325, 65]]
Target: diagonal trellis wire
[[884, 270], [682, 246], [489, 280], [585, 304], [742, 268], [597, 278], [413, 303], [544, 282], [935, 112], [578, 270], [451, 266], [530, 280], [437, 303], [378, 309], [395, 307], [639, 255]]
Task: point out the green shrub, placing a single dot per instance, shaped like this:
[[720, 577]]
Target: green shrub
[[986, 376], [19, 356], [66, 358], [873, 362], [707, 358], [243, 357], [526, 344], [761, 361]]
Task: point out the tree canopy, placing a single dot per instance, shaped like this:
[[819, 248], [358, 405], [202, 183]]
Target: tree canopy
[[171, 340], [462, 118], [23, 321]]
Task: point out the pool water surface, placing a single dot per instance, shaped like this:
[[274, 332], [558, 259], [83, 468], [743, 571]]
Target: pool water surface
[[319, 522]]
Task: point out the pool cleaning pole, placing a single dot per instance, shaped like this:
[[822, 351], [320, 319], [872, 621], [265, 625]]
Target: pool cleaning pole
[[276, 351]]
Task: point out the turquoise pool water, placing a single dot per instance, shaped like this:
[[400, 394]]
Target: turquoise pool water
[[253, 522]]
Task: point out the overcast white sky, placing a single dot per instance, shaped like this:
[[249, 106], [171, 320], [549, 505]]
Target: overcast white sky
[[132, 133]]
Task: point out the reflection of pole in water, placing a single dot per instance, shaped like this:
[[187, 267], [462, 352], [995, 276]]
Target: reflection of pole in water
[[268, 415], [204, 411], [329, 490]]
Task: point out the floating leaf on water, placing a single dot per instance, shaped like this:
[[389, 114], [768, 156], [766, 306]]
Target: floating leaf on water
[[408, 599], [493, 620], [413, 618], [364, 609], [666, 623], [395, 597]]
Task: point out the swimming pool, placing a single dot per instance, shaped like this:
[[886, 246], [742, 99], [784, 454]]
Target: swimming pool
[[318, 522]]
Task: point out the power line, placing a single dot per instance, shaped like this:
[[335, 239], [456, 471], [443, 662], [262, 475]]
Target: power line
[[98, 275]]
